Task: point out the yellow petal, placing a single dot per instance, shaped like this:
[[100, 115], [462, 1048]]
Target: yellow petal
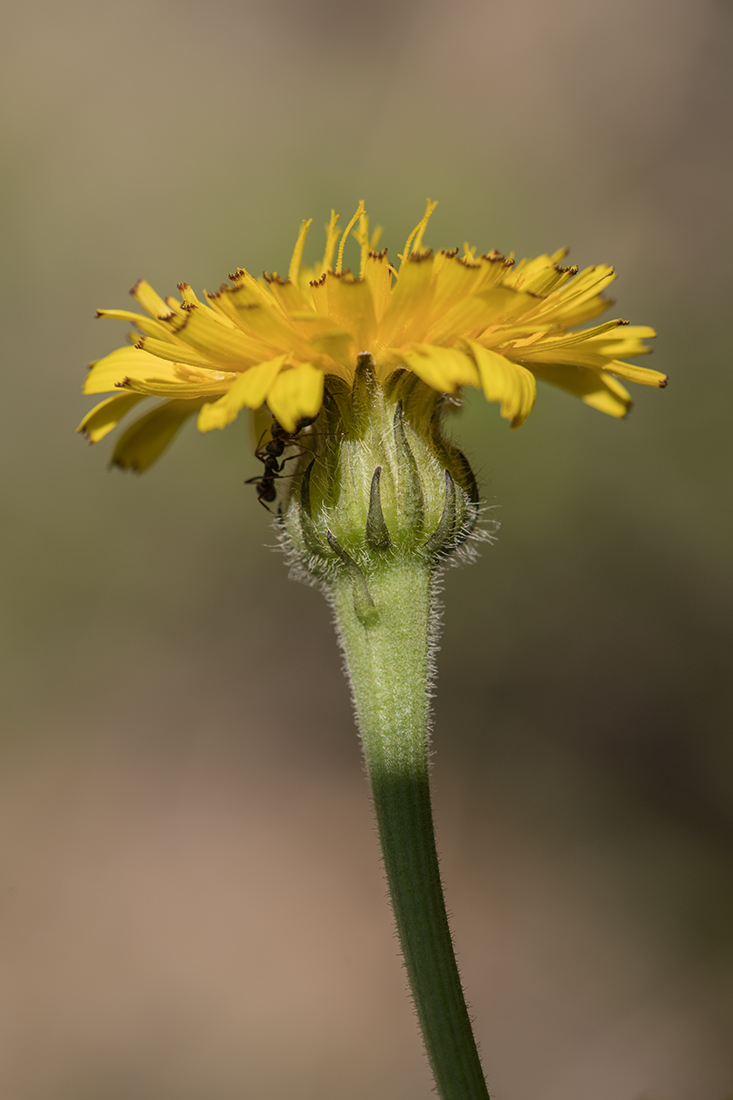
[[338, 346], [247, 288], [151, 302], [455, 279], [103, 418], [407, 315], [351, 306], [108, 372], [146, 439], [625, 342], [145, 324], [217, 338], [260, 425], [478, 312], [594, 388], [148, 374], [445, 369], [262, 323], [579, 294], [296, 394], [319, 293], [174, 353], [179, 386], [540, 275], [378, 274], [569, 317], [288, 295], [188, 296], [310, 325], [508, 383], [249, 391], [548, 280], [585, 335], [642, 375], [580, 356]]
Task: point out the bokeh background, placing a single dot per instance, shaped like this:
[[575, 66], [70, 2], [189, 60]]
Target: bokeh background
[[190, 893]]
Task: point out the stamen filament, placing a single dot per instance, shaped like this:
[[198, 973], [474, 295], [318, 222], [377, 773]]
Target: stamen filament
[[362, 235], [418, 232], [294, 270], [332, 235], [359, 214]]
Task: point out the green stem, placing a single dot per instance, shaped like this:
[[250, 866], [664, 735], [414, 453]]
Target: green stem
[[388, 656]]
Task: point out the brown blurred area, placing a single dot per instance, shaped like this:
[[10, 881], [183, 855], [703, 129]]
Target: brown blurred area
[[190, 895]]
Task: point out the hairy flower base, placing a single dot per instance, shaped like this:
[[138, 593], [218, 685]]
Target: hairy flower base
[[450, 320], [376, 481]]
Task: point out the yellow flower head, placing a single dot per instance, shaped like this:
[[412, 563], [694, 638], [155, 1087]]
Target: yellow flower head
[[454, 320]]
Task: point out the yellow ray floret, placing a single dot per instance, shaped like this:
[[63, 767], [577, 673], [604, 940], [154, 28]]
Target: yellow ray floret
[[454, 320]]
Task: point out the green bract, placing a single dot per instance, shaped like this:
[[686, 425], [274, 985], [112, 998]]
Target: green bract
[[377, 480]]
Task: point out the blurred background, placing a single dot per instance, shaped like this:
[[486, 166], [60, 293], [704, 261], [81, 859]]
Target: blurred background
[[190, 893]]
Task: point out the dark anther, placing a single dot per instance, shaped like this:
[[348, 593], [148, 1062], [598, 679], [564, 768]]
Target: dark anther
[[377, 535]]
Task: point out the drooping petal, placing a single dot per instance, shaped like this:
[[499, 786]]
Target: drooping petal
[[249, 391], [578, 355], [103, 418], [442, 368], [625, 342], [642, 375], [107, 373], [510, 384], [145, 373], [146, 439], [260, 425], [296, 394], [594, 388]]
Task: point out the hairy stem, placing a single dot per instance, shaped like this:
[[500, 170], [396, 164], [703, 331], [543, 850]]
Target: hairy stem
[[388, 658]]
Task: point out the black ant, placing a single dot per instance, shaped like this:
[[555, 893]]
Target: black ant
[[270, 455]]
